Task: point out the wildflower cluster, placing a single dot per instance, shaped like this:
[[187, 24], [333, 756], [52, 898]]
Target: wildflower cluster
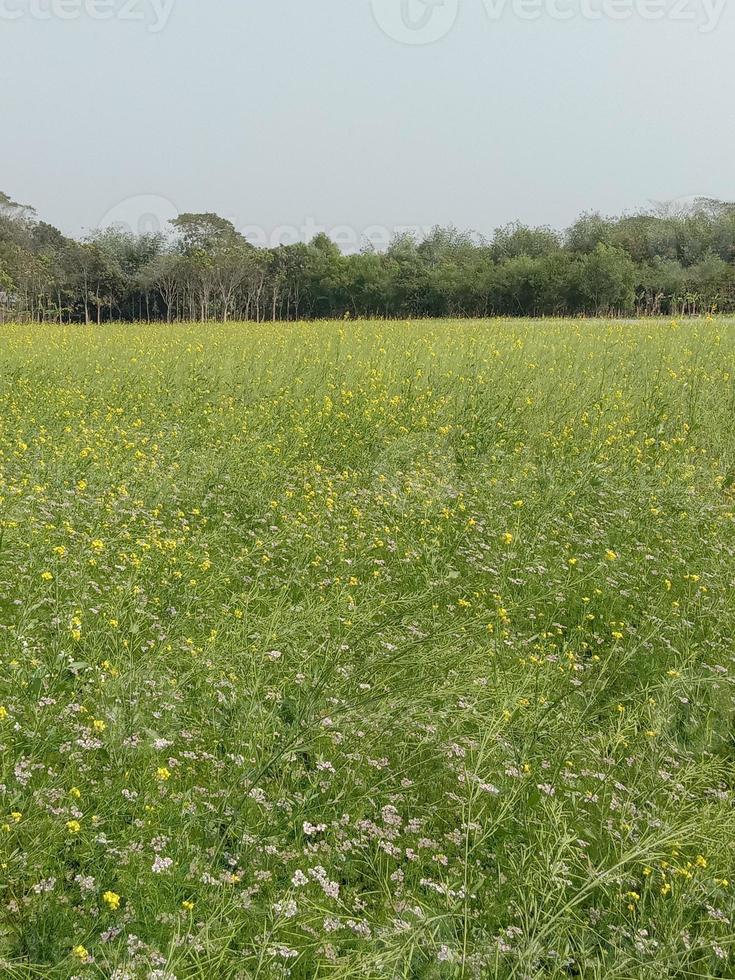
[[367, 649]]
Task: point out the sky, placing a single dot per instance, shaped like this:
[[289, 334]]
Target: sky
[[362, 117]]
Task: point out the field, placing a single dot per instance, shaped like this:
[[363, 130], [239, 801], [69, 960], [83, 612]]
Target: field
[[368, 650]]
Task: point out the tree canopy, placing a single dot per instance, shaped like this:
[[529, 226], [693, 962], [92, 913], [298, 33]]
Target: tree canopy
[[665, 261]]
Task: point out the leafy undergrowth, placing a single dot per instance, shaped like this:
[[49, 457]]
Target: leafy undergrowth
[[368, 650]]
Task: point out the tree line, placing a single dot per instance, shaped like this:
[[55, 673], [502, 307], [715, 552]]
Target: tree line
[[666, 261]]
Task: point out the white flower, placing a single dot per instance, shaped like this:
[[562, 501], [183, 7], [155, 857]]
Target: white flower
[[161, 864]]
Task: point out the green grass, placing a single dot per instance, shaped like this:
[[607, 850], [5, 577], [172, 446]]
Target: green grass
[[368, 650]]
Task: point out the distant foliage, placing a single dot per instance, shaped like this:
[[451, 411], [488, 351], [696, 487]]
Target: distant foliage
[[670, 262]]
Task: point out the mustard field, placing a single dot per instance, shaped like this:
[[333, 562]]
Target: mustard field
[[368, 650]]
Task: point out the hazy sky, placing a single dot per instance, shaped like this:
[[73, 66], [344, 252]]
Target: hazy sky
[[312, 114]]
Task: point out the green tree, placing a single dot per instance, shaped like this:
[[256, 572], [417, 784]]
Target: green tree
[[606, 280]]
